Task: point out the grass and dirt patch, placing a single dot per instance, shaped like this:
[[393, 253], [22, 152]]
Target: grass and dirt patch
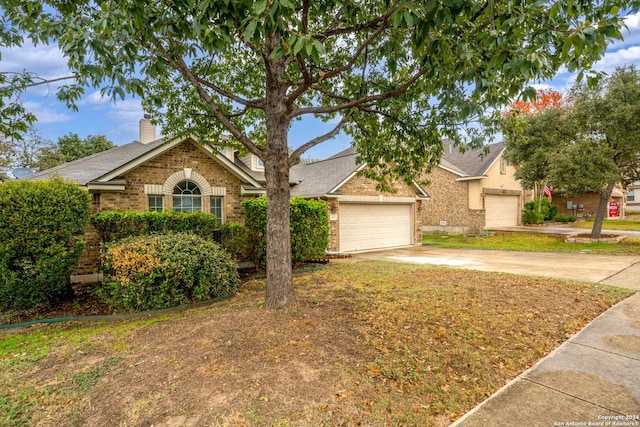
[[629, 224], [367, 344], [514, 241]]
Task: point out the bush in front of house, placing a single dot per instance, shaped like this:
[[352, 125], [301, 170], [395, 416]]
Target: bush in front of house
[[565, 218], [42, 225], [532, 217], [541, 206], [309, 225], [165, 270], [234, 239], [116, 225]]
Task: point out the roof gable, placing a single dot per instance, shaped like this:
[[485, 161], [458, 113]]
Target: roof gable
[[471, 163], [107, 166]]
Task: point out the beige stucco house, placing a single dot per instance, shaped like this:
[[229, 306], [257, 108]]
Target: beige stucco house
[[472, 191]]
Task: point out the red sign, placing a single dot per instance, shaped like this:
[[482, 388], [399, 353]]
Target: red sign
[[614, 211]]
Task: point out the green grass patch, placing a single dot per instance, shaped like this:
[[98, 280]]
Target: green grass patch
[[613, 224], [532, 242]]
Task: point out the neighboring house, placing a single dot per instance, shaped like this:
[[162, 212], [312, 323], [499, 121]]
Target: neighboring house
[[467, 193], [472, 191], [360, 217], [586, 205], [633, 197]]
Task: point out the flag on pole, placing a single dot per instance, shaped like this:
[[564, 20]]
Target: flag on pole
[[547, 191]]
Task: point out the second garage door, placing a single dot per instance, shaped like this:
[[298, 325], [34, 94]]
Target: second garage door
[[501, 210], [374, 226]]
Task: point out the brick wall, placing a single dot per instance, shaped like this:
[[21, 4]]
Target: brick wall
[[448, 210], [156, 172]]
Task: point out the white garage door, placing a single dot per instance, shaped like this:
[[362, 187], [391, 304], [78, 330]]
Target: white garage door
[[501, 210], [374, 226]]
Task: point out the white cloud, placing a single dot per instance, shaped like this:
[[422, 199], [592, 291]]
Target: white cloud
[[94, 98], [633, 21], [46, 61], [619, 58], [46, 114]]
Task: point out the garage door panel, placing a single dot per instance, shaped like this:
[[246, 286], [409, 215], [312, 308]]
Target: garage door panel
[[371, 226], [501, 210]]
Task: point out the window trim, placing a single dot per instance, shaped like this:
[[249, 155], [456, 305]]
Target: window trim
[[153, 208], [221, 207], [194, 194]]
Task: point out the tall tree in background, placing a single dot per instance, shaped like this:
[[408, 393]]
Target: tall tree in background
[[605, 150], [25, 152], [36, 152], [396, 75], [533, 131]]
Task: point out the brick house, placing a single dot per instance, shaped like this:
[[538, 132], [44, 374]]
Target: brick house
[[156, 174], [466, 192], [472, 191]]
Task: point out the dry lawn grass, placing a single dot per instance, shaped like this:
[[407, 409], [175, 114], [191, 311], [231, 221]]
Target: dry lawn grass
[[368, 344]]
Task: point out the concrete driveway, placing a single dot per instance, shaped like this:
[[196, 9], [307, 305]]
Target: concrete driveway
[[623, 271]]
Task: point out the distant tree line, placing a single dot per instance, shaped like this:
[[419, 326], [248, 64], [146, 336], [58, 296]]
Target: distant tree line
[[38, 152]]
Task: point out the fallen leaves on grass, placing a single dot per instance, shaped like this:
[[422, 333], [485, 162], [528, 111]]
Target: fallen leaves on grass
[[367, 344]]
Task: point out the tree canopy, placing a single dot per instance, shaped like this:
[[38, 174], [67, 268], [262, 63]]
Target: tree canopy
[[37, 152], [533, 131], [590, 144], [395, 75]]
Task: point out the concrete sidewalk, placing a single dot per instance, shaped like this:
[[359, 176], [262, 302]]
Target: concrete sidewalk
[[593, 378]]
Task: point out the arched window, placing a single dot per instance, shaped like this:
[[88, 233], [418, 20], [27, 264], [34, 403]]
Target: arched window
[[187, 197]]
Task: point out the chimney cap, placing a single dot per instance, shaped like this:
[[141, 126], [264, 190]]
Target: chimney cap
[[147, 115]]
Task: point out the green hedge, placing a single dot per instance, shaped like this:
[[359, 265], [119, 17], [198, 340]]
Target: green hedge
[[540, 206], [309, 229], [165, 270], [116, 225], [42, 225]]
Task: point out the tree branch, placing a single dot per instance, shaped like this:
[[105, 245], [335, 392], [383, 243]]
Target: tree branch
[[256, 103], [294, 158], [181, 66], [360, 101]]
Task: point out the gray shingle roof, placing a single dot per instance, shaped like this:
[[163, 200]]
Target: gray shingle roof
[[471, 163], [88, 169], [318, 178], [321, 177]]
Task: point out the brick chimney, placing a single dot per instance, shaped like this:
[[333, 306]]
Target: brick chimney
[[147, 130]]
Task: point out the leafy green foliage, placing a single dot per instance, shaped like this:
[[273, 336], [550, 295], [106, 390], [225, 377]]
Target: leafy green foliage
[[400, 75], [115, 225], [160, 271], [42, 225], [71, 147], [309, 229], [531, 216], [541, 206], [564, 218], [234, 239]]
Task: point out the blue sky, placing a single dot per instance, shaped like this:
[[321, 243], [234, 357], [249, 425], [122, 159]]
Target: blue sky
[[119, 122]]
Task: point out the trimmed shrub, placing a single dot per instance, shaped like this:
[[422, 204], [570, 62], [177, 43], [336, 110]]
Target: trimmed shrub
[[309, 229], [542, 206], [116, 225], [565, 218], [234, 240], [165, 270], [532, 217], [42, 225]]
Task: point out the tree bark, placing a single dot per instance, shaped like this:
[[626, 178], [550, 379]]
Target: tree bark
[[279, 290], [605, 195]]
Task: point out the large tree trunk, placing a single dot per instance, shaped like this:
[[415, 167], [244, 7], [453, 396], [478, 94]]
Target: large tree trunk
[[279, 292], [601, 214]]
